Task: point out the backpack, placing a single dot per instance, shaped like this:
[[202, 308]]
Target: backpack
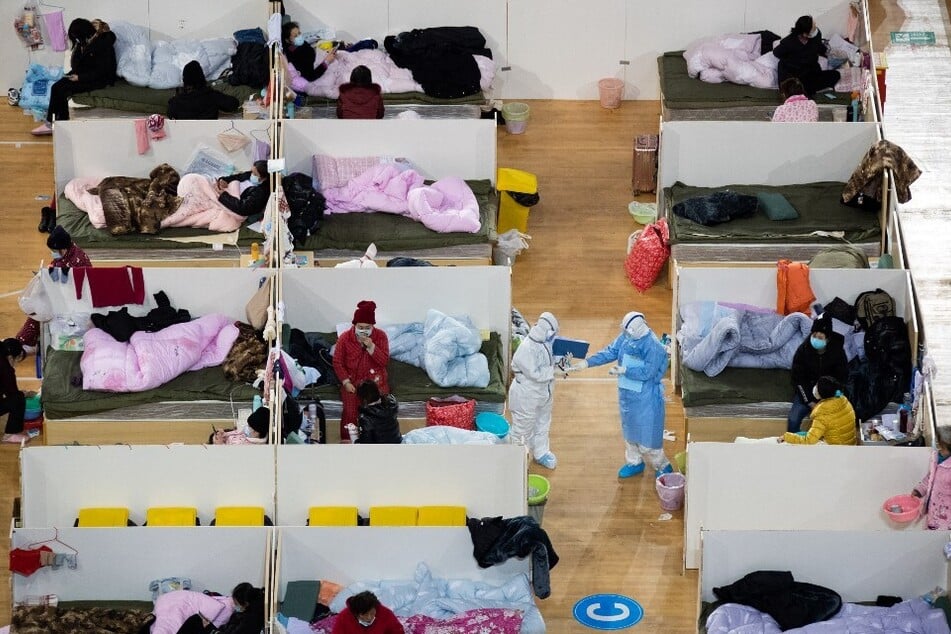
[[840, 309], [250, 65], [871, 306], [839, 257], [307, 206], [888, 350]]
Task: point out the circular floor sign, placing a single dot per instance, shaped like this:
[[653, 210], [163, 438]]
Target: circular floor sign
[[608, 612]]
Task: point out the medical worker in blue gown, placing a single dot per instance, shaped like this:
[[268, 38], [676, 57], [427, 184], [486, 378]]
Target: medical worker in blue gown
[[530, 395], [640, 363]]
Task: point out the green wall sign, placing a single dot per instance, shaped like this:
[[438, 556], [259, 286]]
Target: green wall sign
[[913, 37]]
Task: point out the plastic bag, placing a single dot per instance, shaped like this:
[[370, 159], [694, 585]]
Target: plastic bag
[[34, 300], [210, 162], [512, 242]]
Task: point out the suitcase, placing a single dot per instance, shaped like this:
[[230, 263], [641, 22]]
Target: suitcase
[[644, 172]]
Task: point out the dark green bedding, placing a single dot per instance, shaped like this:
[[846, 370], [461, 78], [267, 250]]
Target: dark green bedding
[[407, 98], [62, 399], [680, 90], [354, 231], [818, 205], [409, 383], [124, 96], [734, 386]]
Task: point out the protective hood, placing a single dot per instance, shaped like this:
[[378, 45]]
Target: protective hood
[[544, 328], [635, 325]]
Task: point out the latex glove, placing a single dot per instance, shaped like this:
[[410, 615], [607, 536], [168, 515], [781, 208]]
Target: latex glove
[[616, 370], [581, 364]]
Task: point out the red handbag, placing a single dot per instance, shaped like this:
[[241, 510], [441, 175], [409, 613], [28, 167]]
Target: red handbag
[[452, 411], [648, 254]]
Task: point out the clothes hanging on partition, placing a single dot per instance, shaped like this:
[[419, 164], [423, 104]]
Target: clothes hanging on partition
[[55, 29], [112, 286]]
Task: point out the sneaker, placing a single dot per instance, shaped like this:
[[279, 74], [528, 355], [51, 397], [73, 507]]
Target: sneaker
[[29, 349], [630, 470], [548, 460], [660, 472], [42, 130], [16, 439]]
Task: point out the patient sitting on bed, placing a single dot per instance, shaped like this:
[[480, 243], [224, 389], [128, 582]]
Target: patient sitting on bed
[[796, 105], [254, 433]]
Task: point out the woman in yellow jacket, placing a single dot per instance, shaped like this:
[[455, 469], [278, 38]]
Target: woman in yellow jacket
[[833, 419]]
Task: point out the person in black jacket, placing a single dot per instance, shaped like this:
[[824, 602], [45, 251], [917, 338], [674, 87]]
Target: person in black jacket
[[248, 617], [196, 99], [798, 55], [822, 354], [301, 54], [255, 190], [93, 65], [12, 400], [377, 423]]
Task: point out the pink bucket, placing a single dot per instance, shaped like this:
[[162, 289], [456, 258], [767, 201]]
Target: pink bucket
[[515, 127], [670, 490], [610, 91]]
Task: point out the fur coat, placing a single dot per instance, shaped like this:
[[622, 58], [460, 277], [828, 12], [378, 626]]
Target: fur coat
[[138, 205], [247, 355], [866, 180]]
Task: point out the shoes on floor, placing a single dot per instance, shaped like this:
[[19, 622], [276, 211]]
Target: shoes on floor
[[630, 470], [548, 460], [660, 472], [47, 220], [16, 439], [42, 130]]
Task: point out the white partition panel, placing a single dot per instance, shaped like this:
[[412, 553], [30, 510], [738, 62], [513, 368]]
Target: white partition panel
[[487, 480], [319, 299], [57, 481], [201, 291], [436, 147], [346, 555], [859, 565], [217, 18], [714, 153], [97, 148], [789, 487], [119, 563]]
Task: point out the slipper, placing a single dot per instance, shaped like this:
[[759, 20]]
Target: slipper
[[42, 130], [16, 439]]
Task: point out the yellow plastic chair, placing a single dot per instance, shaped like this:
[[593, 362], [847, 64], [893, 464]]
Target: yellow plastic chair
[[239, 516], [171, 516], [332, 516], [103, 517], [393, 515], [441, 516]]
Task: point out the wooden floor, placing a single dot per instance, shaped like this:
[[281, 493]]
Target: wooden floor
[[608, 533]]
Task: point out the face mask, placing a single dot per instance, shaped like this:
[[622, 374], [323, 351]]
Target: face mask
[[299, 40], [238, 608], [254, 180], [247, 432], [814, 32], [363, 332], [55, 254], [366, 623], [815, 393], [550, 337], [818, 344], [637, 329]]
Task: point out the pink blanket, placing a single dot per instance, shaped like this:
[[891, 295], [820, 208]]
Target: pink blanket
[[76, 192], [151, 359], [200, 206], [448, 205], [173, 608]]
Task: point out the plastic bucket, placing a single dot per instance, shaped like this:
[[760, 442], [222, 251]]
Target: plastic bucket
[[610, 91], [681, 461], [492, 423], [670, 489], [538, 490], [516, 116]]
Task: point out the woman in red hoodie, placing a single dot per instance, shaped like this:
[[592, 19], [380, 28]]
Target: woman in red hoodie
[[365, 614], [360, 98]]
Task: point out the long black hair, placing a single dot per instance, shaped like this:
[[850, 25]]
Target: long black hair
[[80, 31], [246, 594], [12, 348], [803, 25]]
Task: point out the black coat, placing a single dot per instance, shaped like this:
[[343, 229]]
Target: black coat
[[95, 62], [253, 200], [797, 59], [303, 58], [203, 103], [378, 423], [251, 621], [809, 364], [495, 540]]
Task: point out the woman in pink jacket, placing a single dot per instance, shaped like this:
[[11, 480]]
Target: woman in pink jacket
[[935, 488]]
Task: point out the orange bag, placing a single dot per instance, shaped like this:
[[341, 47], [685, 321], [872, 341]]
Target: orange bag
[[648, 255], [793, 292]]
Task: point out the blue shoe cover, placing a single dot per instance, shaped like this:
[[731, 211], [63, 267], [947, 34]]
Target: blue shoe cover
[[548, 460], [660, 472], [630, 470]]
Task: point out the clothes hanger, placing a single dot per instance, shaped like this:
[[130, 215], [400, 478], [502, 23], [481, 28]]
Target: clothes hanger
[[267, 131], [51, 6], [53, 540]]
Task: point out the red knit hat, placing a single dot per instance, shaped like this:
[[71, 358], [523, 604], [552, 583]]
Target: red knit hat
[[365, 313]]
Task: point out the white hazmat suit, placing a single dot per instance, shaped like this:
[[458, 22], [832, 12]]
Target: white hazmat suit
[[531, 393]]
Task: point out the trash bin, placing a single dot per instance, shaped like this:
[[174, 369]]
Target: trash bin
[[516, 116], [538, 490], [670, 489], [512, 214], [610, 91]]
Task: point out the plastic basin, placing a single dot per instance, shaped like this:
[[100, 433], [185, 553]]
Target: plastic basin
[[644, 213], [492, 423], [515, 111], [538, 489], [902, 508]]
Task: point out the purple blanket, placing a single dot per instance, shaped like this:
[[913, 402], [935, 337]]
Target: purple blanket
[[151, 359], [909, 617]]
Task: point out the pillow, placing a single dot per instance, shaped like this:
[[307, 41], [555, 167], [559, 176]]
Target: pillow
[[300, 599], [776, 206], [331, 171]]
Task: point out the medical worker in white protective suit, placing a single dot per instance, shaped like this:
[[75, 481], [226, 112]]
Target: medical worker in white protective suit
[[531, 392], [640, 363]]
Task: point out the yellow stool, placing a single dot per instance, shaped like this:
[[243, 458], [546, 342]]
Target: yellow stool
[[393, 515], [332, 516], [511, 214], [441, 516], [102, 517], [239, 516], [171, 516]]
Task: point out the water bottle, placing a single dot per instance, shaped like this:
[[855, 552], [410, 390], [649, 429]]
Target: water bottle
[[290, 109], [904, 413], [255, 251], [256, 403]]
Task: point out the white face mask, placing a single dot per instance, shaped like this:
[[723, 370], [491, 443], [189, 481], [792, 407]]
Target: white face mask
[[363, 332], [366, 623], [55, 254], [637, 328], [815, 393], [814, 32]]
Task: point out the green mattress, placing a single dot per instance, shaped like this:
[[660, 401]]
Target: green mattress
[[394, 98], [63, 399], [409, 383], [680, 90], [124, 96], [736, 386], [353, 231], [818, 205]]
